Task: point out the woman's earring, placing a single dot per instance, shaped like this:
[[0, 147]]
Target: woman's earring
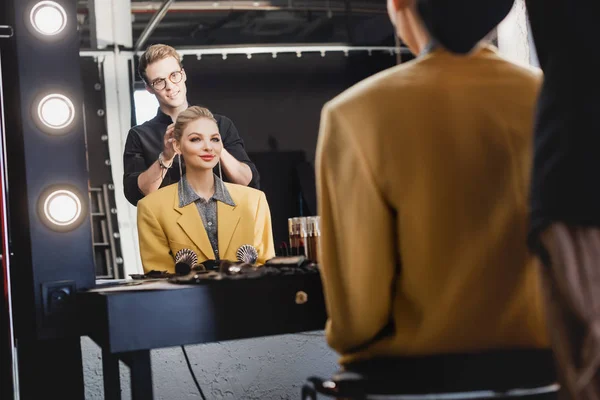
[[180, 169], [220, 173]]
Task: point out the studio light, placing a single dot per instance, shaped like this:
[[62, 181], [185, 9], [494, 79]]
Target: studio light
[[48, 18], [61, 209], [50, 219], [55, 111]]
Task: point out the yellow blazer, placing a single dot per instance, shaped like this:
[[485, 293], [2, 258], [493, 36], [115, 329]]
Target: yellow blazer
[[164, 228], [423, 177]]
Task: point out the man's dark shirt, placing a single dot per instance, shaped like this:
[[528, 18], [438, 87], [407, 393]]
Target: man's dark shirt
[[145, 142]]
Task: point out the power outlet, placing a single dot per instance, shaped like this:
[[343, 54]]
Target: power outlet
[[58, 298]]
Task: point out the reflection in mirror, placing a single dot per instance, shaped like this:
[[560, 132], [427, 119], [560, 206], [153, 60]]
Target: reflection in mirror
[[268, 69]]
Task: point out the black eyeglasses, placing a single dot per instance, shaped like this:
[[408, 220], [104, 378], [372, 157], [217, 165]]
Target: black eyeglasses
[[161, 83]]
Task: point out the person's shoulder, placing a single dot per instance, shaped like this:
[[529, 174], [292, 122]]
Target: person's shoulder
[[136, 130], [523, 76], [153, 123], [144, 127], [396, 81], [225, 124], [531, 76], [514, 68], [243, 193], [158, 199], [525, 70], [223, 120]]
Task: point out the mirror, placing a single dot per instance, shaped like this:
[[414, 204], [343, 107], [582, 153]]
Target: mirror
[[269, 68]]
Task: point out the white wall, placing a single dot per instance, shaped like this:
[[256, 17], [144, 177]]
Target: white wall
[[514, 36]]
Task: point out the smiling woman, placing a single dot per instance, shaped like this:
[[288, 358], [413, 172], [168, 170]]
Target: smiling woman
[[198, 141], [202, 213]]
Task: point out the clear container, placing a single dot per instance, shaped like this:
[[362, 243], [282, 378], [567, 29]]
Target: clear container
[[297, 235]]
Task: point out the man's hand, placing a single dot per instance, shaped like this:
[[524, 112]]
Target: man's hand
[[168, 141], [151, 179], [237, 172]]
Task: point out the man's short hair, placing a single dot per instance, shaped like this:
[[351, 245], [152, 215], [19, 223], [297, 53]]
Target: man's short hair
[[154, 53]]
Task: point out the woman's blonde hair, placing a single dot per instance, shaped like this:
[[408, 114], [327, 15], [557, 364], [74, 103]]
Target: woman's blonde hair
[[191, 114]]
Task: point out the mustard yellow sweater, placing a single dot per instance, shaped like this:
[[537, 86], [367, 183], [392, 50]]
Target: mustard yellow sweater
[[422, 176]]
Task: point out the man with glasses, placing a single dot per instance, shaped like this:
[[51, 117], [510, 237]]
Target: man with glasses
[[149, 158]]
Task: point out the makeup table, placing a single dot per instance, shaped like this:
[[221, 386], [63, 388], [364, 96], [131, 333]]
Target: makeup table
[[130, 319]]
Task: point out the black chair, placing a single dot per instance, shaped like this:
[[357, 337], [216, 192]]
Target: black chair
[[504, 374]]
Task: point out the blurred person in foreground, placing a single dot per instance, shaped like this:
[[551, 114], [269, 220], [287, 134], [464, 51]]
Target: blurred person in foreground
[[423, 174]]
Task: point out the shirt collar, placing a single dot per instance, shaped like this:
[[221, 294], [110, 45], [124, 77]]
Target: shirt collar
[[188, 196], [162, 117], [431, 46]]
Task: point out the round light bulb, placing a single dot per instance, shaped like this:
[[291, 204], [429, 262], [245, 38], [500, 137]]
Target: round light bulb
[[56, 111], [62, 207], [48, 18]]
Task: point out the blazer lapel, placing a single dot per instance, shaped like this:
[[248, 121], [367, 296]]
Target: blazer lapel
[[191, 223], [228, 219]]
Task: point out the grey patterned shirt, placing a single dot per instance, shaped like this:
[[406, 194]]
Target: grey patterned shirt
[[206, 209]]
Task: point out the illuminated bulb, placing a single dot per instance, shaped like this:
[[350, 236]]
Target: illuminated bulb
[[62, 207], [56, 111], [48, 18]]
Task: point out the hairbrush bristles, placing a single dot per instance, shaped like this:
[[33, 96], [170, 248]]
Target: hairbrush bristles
[[247, 254], [186, 256]]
